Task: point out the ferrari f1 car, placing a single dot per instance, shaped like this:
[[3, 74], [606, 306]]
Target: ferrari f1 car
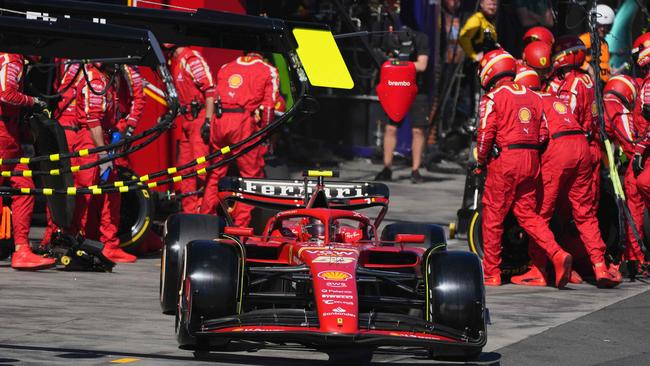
[[318, 274]]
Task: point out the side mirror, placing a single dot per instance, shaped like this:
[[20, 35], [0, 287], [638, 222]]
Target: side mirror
[[409, 238], [238, 231]]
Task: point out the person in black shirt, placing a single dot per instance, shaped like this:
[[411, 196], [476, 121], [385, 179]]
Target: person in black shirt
[[413, 46]]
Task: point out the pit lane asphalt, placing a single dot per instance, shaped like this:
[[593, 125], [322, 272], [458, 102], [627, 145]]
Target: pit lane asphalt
[[61, 318]]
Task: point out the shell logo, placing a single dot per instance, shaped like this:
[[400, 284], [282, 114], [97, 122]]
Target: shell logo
[[543, 61], [559, 107], [524, 115], [235, 81], [334, 275]]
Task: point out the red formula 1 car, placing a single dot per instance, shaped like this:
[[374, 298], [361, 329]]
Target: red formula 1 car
[[319, 275]]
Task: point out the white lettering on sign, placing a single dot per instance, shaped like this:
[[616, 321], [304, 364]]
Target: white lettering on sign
[[399, 83]]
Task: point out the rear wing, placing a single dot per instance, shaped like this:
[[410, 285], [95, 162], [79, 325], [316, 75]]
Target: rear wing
[[280, 194]]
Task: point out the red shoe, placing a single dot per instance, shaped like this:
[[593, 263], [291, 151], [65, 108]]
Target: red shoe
[[615, 272], [492, 280], [562, 264], [117, 255], [575, 278], [533, 277], [604, 279], [26, 260]]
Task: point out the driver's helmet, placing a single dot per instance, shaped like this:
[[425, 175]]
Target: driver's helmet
[[313, 230]]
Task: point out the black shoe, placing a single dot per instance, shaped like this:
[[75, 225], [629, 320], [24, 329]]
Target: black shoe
[[385, 175], [416, 177]]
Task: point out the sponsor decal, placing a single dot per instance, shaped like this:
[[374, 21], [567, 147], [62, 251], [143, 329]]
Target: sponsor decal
[[333, 259], [340, 314], [256, 330], [334, 275], [339, 310], [235, 81], [344, 297], [336, 284], [327, 290], [560, 107], [339, 253], [399, 83], [410, 335], [524, 114], [297, 190], [337, 302]]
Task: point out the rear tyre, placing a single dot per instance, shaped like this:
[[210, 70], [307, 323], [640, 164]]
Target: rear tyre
[[434, 235], [136, 213], [6, 248], [455, 298], [210, 283], [514, 243], [180, 230]]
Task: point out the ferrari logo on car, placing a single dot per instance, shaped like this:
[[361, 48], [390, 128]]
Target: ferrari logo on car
[[334, 275]]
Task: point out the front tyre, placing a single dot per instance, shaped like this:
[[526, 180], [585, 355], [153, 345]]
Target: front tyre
[[455, 298], [210, 286], [180, 230]]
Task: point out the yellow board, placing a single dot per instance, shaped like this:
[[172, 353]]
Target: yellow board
[[322, 59]]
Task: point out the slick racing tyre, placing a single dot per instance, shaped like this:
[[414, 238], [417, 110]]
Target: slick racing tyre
[[210, 284], [514, 244], [455, 298], [180, 229], [434, 235], [6, 248], [136, 213]]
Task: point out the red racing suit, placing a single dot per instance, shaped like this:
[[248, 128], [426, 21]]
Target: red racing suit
[[109, 204], [619, 125], [130, 103], [576, 89], [566, 173], [193, 82], [511, 117], [244, 86], [92, 111], [642, 126], [65, 113], [11, 100]]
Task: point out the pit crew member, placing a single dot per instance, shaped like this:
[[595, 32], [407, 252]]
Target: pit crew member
[[195, 86], [619, 99], [22, 206], [566, 172], [508, 144], [576, 88], [95, 114], [247, 93]]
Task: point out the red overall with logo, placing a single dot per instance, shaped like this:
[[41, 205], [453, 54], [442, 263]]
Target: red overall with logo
[[576, 89], [567, 173], [246, 87], [193, 82], [511, 117], [619, 125]]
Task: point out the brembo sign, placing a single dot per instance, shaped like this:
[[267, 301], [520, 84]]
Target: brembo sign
[[297, 190]]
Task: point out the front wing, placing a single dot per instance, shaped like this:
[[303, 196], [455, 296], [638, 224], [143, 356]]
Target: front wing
[[375, 330]]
